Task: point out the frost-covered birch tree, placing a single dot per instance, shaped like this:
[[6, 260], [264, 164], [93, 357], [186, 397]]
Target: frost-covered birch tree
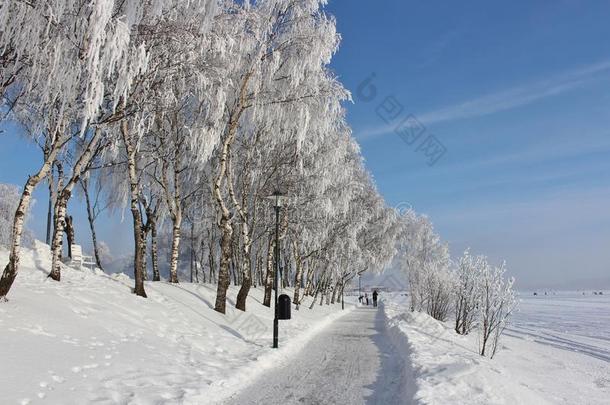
[[496, 304], [467, 291], [282, 61], [55, 57]]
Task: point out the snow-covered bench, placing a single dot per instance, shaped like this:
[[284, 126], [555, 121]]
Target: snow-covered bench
[[80, 259]]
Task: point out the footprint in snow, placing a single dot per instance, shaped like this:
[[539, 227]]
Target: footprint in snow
[[80, 312], [58, 379]]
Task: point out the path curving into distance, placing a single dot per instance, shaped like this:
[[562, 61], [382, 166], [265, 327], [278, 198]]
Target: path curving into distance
[[350, 362]]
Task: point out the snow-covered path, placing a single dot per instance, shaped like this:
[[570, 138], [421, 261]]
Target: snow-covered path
[[350, 362]]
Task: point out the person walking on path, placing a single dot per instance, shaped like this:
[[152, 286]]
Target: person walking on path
[[375, 298], [366, 297]]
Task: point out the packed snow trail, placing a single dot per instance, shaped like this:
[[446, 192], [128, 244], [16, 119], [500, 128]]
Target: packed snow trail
[[350, 362]]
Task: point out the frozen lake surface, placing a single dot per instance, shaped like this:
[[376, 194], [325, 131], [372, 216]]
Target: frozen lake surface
[[566, 320]]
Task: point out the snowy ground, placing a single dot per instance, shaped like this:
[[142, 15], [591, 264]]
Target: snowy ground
[[556, 352], [89, 340]]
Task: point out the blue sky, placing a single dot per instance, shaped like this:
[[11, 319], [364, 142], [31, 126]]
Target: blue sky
[[519, 95]]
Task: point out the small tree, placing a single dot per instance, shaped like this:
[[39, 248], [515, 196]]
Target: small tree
[[438, 285], [467, 291], [496, 304], [96, 203]]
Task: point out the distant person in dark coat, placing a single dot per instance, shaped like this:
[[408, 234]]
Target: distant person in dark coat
[[375, 298]]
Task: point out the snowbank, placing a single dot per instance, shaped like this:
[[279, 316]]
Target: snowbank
[[448, 369], [88, 339]]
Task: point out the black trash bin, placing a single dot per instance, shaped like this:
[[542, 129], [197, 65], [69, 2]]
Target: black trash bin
[[283, 307]]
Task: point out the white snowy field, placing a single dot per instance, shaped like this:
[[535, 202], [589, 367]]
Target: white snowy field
[[557, 351], [87, 339]]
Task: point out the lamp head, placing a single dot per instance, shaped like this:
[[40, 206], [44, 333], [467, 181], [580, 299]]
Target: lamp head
[[278, 198]]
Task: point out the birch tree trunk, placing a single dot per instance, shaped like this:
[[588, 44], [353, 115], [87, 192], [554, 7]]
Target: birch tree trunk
[[50, 208], [225, 224], [200, 259], [51, 181], [91, 219], [192, 250], [226, 228], [70, 234], [174, 204], [332, 300], [57, 238], [58, 235], [313, 301], [340, 294], [256, 268], [242, 295], [270, 274], [245, 264], [308, 280], [298, 276], [259, 265], [286, 271], [173, 268], [63, 195], [12, 267], [324, 287], [154, 251], [139, 246], [232, 274], [312, 266], [144, 237], [223, 271], [328, 285], [211, 260]]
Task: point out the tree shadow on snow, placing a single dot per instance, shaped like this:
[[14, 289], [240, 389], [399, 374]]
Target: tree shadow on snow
[[201, 298], [194, 294], [395, 382]]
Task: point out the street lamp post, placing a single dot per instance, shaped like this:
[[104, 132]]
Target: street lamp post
[[277, 204], [359, 284]]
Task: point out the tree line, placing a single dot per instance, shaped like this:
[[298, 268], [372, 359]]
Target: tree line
[[190, 114], [471, 292]]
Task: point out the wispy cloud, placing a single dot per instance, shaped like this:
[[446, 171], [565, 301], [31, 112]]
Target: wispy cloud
[[505, 99], [435, 50], [566, 148], [563, 148]]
